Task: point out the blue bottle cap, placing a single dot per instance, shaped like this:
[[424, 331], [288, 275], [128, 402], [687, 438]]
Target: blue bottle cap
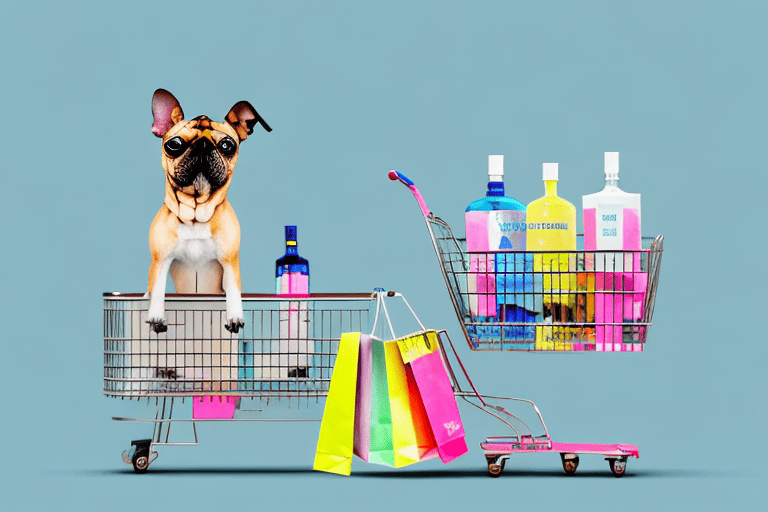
[[290, 233]]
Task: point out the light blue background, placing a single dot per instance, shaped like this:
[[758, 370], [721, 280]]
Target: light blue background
[[353, 89]]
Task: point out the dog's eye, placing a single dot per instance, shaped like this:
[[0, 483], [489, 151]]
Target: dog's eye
[[227, 146], [175, 147]]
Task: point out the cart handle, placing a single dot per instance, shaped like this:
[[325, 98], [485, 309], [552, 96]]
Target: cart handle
[[402, 178]]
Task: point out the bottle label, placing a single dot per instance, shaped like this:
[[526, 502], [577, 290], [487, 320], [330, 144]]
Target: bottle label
[[506, 230], [610, 227]]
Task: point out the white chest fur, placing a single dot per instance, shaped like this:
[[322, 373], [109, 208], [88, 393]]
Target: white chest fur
[[195, 243]]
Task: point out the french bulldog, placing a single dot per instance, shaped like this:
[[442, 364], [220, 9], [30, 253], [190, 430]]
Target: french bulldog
[[196, 236]]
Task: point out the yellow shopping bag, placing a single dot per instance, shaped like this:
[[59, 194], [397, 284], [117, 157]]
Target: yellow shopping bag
[[337, 430]]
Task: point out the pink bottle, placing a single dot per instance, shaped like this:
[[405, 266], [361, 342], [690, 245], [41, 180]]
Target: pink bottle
[[612, 223]]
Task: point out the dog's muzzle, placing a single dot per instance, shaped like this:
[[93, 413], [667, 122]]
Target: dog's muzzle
[[201, 165]]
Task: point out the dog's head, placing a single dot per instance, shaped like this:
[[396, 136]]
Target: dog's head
[[199, 155]]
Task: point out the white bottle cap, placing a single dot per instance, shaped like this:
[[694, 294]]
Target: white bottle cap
[[611, 166], [495, 167], [550, 172]]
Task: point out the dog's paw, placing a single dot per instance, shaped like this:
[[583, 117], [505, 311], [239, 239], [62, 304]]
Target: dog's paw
[[233, 325], [157, 324]]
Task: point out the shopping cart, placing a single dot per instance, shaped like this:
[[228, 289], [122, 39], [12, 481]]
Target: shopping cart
[[550, 300], [576, 319], [285, 353]]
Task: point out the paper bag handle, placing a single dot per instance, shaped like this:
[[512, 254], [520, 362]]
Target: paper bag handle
[[380, 293]]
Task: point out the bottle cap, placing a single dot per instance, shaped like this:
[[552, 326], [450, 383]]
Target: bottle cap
[[550, 172], [290, 234], [611, 166], [495, 167]]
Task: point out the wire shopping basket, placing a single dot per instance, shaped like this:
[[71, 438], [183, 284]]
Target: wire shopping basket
[[286, 350]]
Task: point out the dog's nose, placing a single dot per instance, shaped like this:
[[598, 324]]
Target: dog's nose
[[204, 143]]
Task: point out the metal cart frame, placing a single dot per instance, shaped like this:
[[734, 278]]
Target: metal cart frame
[[285, 353]]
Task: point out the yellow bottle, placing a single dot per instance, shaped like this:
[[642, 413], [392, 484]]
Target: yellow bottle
[[552, 227]]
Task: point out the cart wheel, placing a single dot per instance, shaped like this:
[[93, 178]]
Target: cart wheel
[[141, 459], [496, 465], [618, 466], [570, 462], [140, 463], [495, 470]]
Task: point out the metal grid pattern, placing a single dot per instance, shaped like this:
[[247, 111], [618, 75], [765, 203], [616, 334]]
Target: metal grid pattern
[[286, 349], [550, 301]]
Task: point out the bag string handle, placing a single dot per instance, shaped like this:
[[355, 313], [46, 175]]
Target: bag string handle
[[380, 304]]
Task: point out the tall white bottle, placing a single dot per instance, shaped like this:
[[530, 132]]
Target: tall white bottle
[[612, 223]]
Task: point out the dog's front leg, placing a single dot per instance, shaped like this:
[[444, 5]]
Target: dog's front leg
[[232, 287], [158, 275]]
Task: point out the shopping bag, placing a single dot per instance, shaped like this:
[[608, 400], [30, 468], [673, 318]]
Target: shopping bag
[[336, 439], [362, 444], [405, 444], [400, 433], [420, 351], [425, 439], [381, 442]]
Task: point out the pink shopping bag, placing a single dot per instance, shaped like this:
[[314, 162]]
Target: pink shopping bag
[[421, 352]]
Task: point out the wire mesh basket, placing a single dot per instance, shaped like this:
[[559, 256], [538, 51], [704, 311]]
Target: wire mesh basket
[[550, 301], [286, 349]]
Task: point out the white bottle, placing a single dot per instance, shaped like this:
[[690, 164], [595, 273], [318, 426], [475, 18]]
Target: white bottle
[[612, 224], [611, 218]]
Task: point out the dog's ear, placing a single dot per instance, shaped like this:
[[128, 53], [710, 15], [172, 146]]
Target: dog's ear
[[166, 112], [243, 117]]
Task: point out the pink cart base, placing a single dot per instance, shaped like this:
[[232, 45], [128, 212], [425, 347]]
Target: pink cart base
[[609, 450]]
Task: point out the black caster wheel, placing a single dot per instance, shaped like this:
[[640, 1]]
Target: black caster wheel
[[140, 459], [618, 466], [570, 462]]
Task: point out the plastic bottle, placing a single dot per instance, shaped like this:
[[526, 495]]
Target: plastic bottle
[[292, 278], [496, 223], [552, 227], [612, 223]]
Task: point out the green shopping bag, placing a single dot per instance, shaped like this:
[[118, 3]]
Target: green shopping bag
[[381, 448], [395, 441]]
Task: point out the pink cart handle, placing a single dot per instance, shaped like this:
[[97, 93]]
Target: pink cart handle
[[402, 178]]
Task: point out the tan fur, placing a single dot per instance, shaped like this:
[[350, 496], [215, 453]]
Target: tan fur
[[195, 236]]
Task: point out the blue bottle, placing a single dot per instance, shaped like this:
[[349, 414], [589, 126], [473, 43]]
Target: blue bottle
[[499, 288]]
